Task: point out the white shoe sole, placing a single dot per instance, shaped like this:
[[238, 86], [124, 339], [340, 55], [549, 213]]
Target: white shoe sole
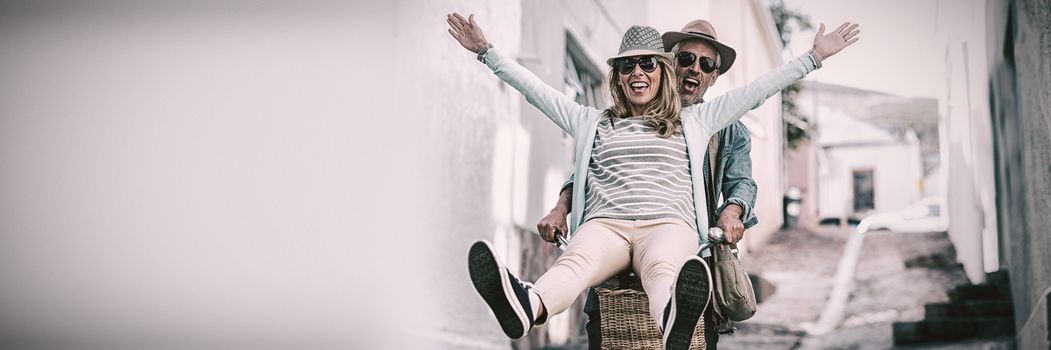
[[691, 294], [492, 282]]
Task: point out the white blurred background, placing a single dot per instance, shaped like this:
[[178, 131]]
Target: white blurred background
[[206, 174]]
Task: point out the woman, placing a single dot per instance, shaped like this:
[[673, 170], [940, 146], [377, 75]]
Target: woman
[[643, 191]]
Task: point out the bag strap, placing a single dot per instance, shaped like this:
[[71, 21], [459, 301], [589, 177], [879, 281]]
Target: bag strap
[[713, 152], [713, 158]]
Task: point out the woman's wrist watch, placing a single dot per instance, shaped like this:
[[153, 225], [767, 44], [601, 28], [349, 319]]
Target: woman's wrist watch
[[481, 53]]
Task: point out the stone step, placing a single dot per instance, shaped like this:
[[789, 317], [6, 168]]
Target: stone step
[[936, 311], [969, 327], [984, 308], [972, 292], [908, 333], [998, 278], [969, 308], [951, 329]]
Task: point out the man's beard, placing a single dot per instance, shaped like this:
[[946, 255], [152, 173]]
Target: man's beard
[[699, 90], [696, 100], [699, 98]]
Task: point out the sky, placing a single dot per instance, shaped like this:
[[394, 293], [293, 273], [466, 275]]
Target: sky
[[899, 51]]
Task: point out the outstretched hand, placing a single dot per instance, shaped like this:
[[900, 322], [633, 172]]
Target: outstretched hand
[[466, 32], [826, 45]]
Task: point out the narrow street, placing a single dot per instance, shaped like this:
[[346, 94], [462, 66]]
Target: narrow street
[[896, 275]]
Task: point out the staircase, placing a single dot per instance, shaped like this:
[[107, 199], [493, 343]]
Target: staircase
[[973, 311]]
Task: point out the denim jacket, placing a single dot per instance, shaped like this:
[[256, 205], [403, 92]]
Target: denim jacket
[[733, 168]]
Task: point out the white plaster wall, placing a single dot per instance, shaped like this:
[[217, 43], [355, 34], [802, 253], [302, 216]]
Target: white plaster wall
[[672, 15], [480, 151], [896, 171], [964, 108]]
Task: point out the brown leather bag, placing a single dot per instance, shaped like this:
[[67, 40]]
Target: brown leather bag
[[734, 297]]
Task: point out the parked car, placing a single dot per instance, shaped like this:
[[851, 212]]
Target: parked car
[[926, 215]]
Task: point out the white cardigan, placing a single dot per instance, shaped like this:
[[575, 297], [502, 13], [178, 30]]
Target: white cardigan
[[699, 121]]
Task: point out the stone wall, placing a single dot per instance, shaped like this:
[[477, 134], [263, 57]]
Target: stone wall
[[1020, 89]]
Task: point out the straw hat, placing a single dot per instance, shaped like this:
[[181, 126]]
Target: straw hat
[[640, 41], [702, 30]]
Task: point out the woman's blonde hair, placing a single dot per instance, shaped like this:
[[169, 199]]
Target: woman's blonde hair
[[662, 112]]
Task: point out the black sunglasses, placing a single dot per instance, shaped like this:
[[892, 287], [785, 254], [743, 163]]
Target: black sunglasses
[[686, 59], [626, 65]]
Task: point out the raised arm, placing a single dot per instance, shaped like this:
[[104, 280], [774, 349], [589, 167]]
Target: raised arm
[[563, 111], [723, 110]]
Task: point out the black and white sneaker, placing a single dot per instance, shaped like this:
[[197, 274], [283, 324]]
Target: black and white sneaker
[[690, 294], [506, 295]]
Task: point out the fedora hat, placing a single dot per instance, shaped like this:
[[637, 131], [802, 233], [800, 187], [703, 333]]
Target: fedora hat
[[640, 41], [702, 30]]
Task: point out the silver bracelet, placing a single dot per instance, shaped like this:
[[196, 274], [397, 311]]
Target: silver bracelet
[[483, 51], [814, 58]]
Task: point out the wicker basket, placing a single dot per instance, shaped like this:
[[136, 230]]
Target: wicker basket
[[626, 321]]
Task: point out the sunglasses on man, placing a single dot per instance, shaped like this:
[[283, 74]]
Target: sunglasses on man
[[686, 59], [626, 65]]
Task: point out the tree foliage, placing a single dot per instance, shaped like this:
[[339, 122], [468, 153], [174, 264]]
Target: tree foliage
[[797, 126]]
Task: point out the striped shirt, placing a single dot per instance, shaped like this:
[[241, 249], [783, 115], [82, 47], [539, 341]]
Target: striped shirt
[[635, 174]]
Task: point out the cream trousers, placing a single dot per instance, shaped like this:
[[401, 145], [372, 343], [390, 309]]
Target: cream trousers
[[601, 248]]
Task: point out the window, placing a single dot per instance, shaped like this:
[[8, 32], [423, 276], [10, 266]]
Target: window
[[864, 191], [583, 80]]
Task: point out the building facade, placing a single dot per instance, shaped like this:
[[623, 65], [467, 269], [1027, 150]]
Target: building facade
[[995, 113], [1017, 56], [870, 152]]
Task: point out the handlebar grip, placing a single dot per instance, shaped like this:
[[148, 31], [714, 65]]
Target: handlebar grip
[[716, 235], [562, 242]]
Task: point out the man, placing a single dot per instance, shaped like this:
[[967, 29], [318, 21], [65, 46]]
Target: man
[[699, 60]]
